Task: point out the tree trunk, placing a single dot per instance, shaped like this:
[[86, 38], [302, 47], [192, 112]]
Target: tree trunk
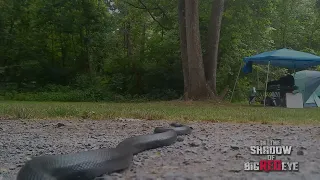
[[183, 45], [143, 42], [310, 39], [197, 88], [211, 58], [128, 40]]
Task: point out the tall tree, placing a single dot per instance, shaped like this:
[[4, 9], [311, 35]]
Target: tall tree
[[197, 88], [211, 56], [199, 75], [183, 46]]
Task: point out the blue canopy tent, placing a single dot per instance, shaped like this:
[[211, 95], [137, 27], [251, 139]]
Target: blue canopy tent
[[285, 58]]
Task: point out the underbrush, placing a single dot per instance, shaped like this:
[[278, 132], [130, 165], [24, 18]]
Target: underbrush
[[67, 94]]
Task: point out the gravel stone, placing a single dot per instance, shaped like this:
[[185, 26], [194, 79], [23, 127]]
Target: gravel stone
[[213, 150]]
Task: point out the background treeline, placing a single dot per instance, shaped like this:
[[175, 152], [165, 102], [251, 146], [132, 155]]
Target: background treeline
[[100, 50]]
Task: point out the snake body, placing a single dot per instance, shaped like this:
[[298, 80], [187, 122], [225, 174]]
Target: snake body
[[87, 165]]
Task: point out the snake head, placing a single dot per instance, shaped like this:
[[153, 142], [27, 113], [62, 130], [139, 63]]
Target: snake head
[[174, 124]]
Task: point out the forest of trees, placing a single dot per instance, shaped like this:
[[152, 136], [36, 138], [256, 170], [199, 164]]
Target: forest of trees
[[105, 50]]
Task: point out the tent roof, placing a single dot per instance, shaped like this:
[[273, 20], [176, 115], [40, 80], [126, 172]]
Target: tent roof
[[307, 81], [306, 74], [285, 58]]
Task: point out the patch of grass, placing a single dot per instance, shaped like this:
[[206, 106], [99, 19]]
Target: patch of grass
[[170, 110]]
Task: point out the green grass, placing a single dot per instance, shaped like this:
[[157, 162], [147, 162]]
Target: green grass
[[173, 110]]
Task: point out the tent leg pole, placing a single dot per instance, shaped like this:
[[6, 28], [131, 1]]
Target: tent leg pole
[[235, 83], [257, 79], [265, 91]]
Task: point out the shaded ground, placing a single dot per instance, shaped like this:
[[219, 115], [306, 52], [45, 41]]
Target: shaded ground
[[212, 151]]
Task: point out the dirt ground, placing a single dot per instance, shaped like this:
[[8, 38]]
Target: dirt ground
[[212, 151]]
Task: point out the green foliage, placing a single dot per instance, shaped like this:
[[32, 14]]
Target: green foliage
[[93, 50]]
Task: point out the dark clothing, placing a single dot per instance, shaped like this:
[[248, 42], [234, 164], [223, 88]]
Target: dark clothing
[[283, 81], [285, 84]]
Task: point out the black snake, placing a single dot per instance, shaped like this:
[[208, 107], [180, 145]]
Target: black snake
[[90, 164]]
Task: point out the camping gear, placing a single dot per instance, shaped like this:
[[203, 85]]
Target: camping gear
[[308, 83], [294, 100], [285, 58], [252, 96]]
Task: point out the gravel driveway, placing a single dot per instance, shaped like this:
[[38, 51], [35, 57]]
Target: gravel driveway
[[212, 151]]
